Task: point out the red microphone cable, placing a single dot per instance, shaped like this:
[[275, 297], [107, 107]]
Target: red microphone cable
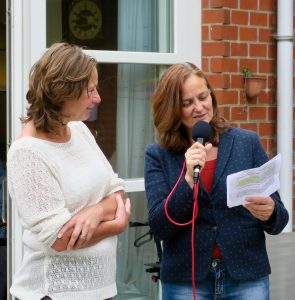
[[192, 221]]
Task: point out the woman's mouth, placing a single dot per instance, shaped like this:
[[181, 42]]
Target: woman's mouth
[[200, 117]]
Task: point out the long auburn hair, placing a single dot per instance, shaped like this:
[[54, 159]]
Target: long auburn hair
[[60, 75], [167, 108]]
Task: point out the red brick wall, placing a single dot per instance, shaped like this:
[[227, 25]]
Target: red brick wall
[[237, 33]]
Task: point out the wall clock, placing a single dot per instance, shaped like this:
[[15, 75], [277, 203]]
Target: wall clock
[[85, 20], [92, 24]]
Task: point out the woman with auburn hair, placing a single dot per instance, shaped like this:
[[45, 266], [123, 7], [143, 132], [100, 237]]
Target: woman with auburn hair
[[167, 109], [230, 259], [68, 197]]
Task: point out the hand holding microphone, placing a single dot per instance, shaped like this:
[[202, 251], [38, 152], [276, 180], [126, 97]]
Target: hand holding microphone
[[195, 156]]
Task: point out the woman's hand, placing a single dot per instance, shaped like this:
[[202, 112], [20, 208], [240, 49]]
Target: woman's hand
[[82, 225], [110, 228], [260, 207], [195, 156], [88, 227], [123, 213]]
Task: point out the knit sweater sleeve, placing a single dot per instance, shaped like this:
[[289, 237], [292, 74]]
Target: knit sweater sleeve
[[35, 189]]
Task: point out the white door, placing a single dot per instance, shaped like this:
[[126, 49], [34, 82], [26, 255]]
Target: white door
[[134, 41]]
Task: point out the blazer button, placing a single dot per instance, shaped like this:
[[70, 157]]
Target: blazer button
[[214, 228]]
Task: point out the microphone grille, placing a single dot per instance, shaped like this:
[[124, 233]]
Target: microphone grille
[[203, 130]]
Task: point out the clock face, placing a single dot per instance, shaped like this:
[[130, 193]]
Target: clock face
[[85, 20]]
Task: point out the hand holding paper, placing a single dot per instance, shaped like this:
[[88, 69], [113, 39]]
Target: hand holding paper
[[260, 207], [261, 181]]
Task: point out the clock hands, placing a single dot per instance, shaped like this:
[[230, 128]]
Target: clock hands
[[85, 20]]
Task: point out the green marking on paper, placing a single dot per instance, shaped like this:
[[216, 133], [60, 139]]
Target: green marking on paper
[[249, 180]]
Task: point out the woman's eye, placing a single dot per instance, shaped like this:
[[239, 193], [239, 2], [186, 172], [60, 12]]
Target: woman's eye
[[204, 96], [186, 103]]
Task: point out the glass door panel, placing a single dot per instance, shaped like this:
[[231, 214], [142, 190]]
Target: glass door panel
[[112, 25], [122, 124], [138, 256]]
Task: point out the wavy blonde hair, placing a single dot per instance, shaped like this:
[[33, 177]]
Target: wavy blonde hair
[[60, 75], [167, 108]]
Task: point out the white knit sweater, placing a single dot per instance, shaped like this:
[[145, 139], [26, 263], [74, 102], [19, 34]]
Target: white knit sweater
[[49, 182]]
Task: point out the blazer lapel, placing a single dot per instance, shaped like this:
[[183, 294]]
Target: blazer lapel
[[223, 155]]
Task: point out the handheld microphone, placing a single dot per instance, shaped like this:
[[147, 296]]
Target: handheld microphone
[[201, 133]]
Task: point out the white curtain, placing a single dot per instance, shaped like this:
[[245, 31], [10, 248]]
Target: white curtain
[[137, 25]]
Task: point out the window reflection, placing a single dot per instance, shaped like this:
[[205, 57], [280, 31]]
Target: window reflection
[[91, 23], [117, 25], [122, 123]]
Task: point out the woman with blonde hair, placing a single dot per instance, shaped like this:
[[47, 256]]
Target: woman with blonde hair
[[68, 197]]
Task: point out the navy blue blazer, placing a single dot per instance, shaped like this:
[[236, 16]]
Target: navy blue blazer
[[239, 235]]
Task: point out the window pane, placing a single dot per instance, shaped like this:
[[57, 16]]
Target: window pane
[[122, 123], [117, 25]]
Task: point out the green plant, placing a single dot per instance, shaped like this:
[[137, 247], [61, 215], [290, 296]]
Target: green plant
[[247, 72]]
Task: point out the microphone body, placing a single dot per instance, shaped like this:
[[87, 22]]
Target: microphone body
[[201, 133], [197, 168]]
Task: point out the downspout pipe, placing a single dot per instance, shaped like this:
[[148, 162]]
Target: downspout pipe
[[285, 103]]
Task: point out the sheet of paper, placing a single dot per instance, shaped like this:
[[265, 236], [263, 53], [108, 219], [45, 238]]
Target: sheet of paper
[[261, 181]]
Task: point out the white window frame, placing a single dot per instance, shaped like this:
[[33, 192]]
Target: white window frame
[[186, 36], [187, 25]]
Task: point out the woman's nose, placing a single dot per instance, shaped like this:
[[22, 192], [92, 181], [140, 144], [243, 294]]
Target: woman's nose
[[197, 104], [96, 97]]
